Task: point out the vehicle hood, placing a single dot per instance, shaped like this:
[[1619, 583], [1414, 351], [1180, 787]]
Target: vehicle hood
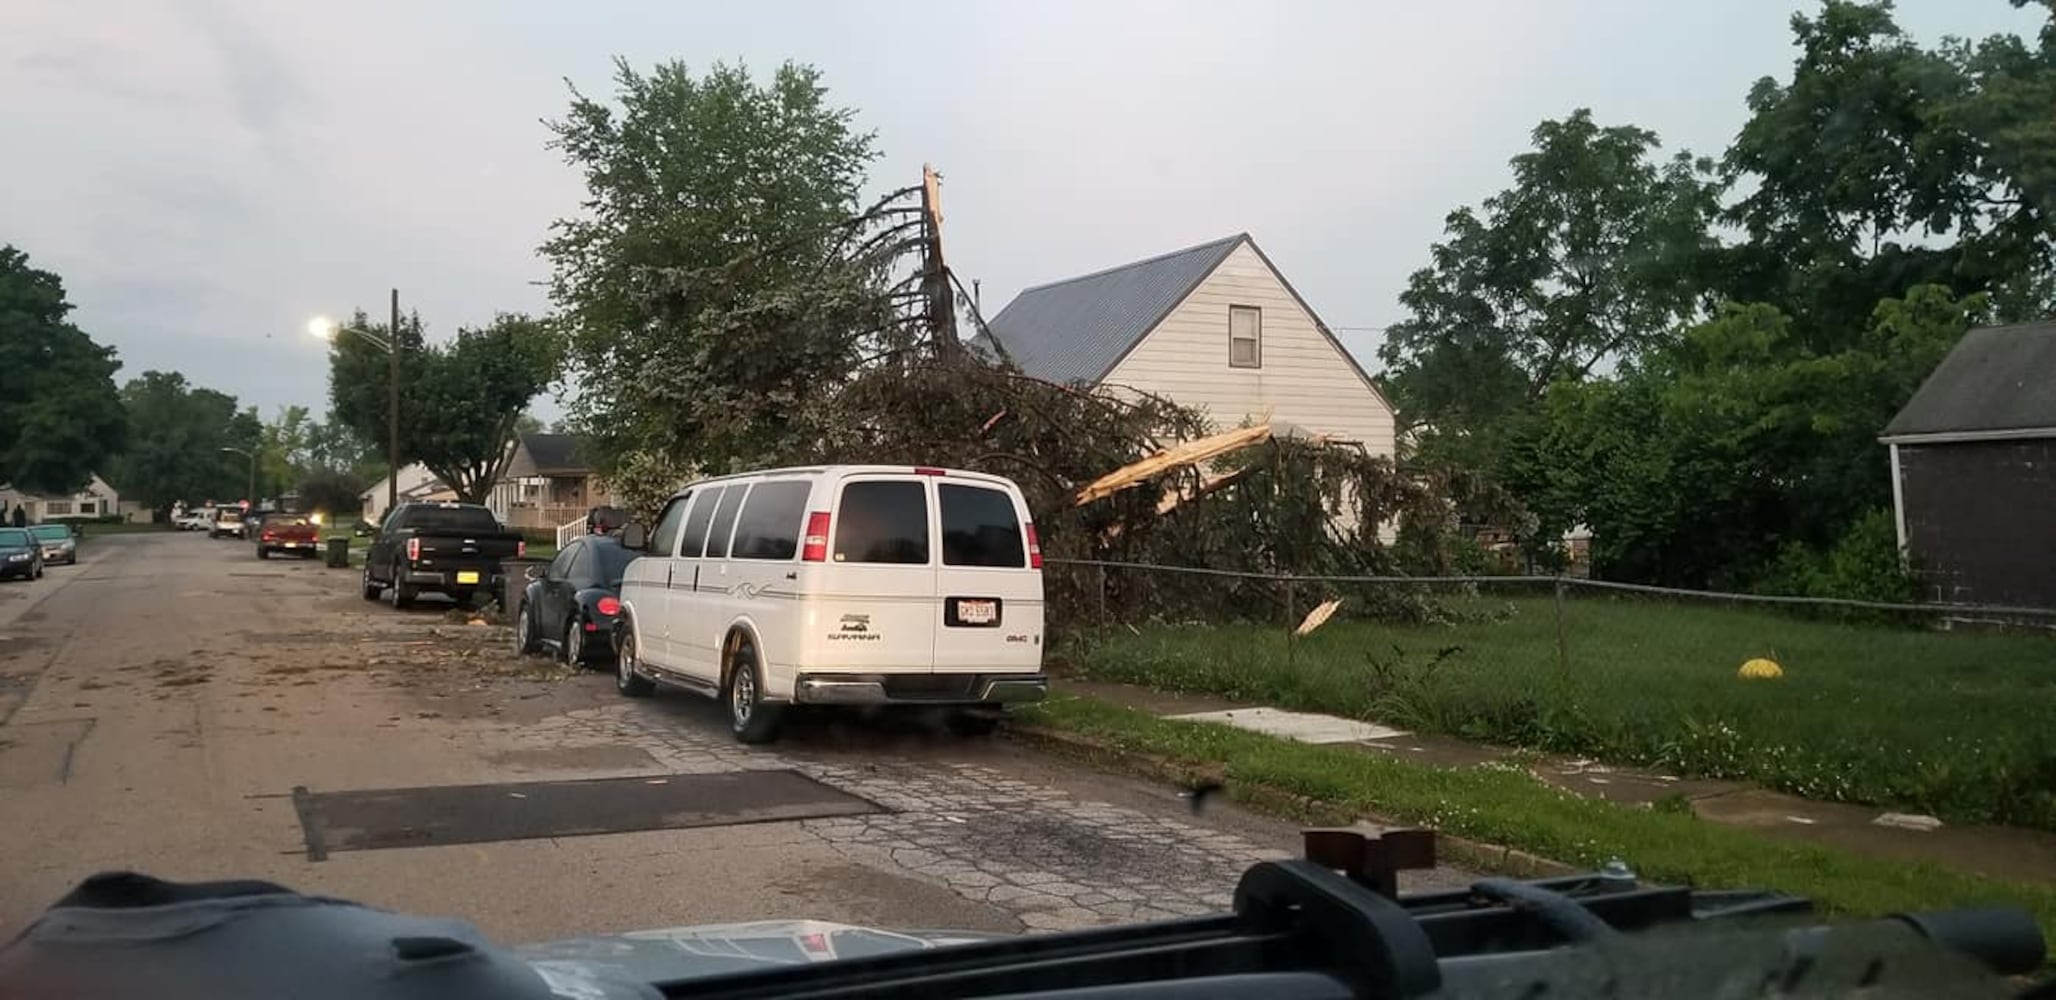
[[581, 967]]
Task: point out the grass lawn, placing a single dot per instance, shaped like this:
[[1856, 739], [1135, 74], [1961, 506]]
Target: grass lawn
[[1958, 723], [1509, 808]]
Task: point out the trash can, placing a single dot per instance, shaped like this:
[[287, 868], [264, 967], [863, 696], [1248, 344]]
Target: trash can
[[514, 583], [338, 553]]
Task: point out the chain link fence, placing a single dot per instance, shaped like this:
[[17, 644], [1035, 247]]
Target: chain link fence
[[1944, 708]]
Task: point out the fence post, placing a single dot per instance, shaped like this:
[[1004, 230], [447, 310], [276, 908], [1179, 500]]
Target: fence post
[[1563, 656], [1104, 621]]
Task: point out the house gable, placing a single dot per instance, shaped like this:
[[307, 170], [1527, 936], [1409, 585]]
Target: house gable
[[1304, 376]]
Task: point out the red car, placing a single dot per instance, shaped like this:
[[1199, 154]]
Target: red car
[[295, 533]]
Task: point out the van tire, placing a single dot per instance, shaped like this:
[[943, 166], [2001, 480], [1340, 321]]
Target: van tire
[[626, 680], [973, 722], [750, 717]]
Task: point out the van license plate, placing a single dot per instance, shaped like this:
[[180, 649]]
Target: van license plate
[[972, 612], [467, 576]]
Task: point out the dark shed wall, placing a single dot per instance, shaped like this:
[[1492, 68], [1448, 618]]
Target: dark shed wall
[[1981, 520]]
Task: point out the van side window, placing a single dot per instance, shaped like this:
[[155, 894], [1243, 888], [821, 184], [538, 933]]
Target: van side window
[[724, 521], [696, 524], [883, 522], [979, 527], [664, 540], [770, 524]]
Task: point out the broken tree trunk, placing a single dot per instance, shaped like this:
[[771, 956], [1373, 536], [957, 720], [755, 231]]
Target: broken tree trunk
[[1171, 458]]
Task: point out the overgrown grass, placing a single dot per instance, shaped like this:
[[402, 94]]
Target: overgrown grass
[[1957, 724], [1512, 809]]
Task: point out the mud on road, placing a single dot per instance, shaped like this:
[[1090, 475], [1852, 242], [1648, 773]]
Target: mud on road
[[181, 708]]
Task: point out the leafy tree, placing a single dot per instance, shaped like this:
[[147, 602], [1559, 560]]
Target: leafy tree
[[60, 416], [691, 178], [1698, 467], [1881, 165], [175, 435], [459, 401], [1585, 262]]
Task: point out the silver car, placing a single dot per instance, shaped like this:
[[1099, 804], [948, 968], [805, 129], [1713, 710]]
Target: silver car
[[58, 543]]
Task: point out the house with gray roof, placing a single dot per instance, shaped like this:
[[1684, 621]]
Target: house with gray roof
[[1973, 458], [1214, 327], [549, 482]]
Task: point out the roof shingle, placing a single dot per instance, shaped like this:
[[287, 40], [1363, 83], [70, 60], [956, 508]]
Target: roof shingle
[[1074, 331], [1998, 378]]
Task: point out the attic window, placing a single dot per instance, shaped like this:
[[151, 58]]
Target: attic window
[[1245, 337]]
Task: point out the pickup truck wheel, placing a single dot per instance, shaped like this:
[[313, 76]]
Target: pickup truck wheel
[[626, 680], [372, 588], [402, 593], [749, 716], [524, 632]]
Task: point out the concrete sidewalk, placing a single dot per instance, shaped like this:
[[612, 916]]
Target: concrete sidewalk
[[2010, 853]]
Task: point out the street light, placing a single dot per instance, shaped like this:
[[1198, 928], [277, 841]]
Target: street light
[[252, 456], [328, 329]]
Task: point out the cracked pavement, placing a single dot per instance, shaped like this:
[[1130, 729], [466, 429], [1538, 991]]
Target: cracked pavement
[[163, 701]]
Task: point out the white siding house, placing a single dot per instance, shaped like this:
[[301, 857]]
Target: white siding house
[[1214, 327], [97, 500]]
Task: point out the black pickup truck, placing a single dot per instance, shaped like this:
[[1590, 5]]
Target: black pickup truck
[[438, 548]]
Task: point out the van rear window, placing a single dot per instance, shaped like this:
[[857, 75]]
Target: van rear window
[[770, 523], [884, 522], [979, 528]]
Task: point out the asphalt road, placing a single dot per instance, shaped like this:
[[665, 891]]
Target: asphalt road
[[160, 704]]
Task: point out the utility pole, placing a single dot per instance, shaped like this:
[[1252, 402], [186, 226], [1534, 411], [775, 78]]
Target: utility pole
[[393, 406]]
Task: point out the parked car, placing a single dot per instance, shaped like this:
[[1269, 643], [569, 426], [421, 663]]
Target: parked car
[[60, 544], [228, 523], [196, 521], [20, 554], [293, 533], [438, 548], [572, 604], [864, 585]]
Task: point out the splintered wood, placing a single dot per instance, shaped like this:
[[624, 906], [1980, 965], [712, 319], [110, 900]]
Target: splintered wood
[[1318, 616], [1171, 458]]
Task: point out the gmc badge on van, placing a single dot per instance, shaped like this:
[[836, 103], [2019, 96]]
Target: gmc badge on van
[[855, 628]]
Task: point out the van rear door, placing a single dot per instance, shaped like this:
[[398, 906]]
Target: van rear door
[[990, 587], [871, 601]]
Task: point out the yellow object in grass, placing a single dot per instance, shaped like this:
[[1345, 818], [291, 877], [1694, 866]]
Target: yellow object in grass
[[1760, 669]]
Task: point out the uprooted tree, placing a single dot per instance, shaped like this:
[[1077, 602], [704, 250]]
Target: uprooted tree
[[834, 339]]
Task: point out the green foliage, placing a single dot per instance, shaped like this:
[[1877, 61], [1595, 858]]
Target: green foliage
[[1588, 260], [1940, 722], [1865, 564], [459, 401], [685, 176], [1503, 806], [60, 417], [1698, 466], [176, 433]]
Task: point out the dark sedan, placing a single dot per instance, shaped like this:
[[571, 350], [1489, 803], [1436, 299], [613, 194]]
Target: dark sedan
[[21, 555], [570, 606]]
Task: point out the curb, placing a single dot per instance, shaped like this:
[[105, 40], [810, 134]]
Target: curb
[[1496, 859]]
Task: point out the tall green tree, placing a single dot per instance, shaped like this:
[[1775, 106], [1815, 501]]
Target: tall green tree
[[707, 197], [460, 401], [176, 431], [1588, 260], [1881, 165], [60, 415]]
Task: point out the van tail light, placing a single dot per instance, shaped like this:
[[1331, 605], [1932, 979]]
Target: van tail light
[[608, 606], [1034, 548], [413, 549], [521, 549], [814, 545]]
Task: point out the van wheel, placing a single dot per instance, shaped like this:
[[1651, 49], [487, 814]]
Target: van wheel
[[751, 718], [626, 680]]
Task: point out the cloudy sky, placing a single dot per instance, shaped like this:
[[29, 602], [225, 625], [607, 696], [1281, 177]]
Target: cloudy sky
[[207, 174]]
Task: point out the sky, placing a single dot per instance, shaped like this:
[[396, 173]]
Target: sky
[[206, 175]]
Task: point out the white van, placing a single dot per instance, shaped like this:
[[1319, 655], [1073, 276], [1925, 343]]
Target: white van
[[848, 584]]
